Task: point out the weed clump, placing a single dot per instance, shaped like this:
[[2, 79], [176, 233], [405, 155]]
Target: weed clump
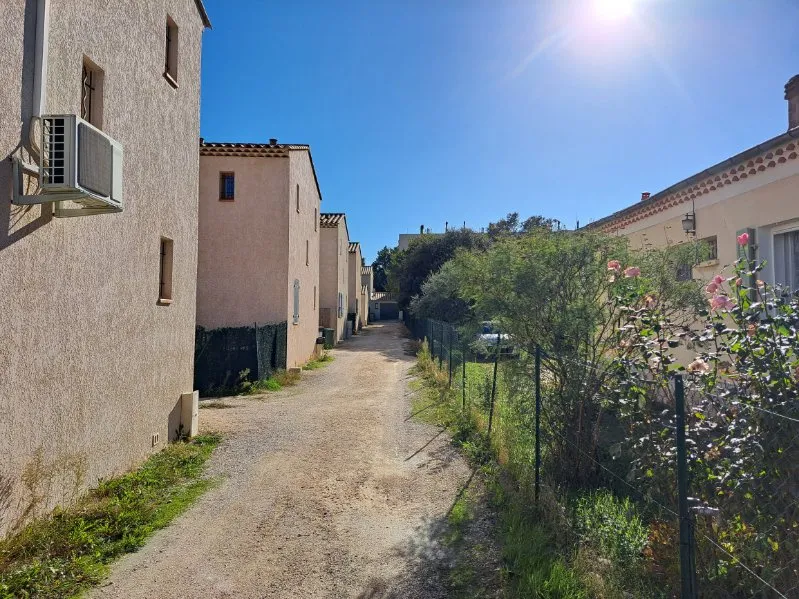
[[69, 551]]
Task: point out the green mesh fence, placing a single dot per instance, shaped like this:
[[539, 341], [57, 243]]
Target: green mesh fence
[[225, 357]]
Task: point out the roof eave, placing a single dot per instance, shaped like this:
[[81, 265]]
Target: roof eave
[[715, 169], [203, 14]]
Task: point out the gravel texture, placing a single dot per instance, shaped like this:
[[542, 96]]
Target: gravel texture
[[328, 489]]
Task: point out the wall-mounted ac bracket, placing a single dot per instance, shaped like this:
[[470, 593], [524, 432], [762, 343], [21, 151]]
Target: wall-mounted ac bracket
[[19, 168]]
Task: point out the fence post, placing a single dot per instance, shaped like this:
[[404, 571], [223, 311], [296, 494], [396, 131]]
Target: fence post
[[493, 387], [537, 421], [441, 347], [687, 563], [463, 386], [257, 352], [449, 355]]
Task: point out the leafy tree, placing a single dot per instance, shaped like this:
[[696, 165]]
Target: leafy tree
[[440, 297], [426, 255], [554, 290], [381, 266], [512, 225]]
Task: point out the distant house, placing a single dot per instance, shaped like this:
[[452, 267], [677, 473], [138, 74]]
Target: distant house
[[354, 286], [405, 239], [333, 273], [754, 192], [383, 306], [367, 286], [259, 241], [96, 312]]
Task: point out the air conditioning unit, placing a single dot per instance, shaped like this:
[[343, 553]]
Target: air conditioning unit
[[79, 164]]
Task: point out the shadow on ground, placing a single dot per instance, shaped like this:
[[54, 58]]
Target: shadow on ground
[[449, 557]]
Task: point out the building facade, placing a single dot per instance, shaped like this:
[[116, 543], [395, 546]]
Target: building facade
[[754, 192], [334, 272], [354, 262], [367, 286], [259, 241], [96, 312]]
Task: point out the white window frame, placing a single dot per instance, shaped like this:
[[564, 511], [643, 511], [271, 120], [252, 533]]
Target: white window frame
[[787, 227]]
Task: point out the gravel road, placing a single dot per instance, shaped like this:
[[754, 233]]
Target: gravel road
[[328, 489]]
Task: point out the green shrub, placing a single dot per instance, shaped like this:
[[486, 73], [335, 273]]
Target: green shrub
[[612, 527]]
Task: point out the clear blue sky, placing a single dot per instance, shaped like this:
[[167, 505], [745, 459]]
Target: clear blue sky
[[426, 111]]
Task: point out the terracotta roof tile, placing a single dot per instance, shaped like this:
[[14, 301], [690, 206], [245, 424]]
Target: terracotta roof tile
[[330, 219], [353, 247]]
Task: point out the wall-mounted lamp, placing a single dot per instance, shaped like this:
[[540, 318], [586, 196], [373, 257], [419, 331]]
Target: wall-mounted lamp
[[689, 223]]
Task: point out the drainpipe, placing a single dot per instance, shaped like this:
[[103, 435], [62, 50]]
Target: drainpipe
[[40, 64]]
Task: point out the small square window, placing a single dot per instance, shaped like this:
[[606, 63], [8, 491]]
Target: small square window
[[171, 53], [227, 186], [711, 249], [91, 95], [165, 276]]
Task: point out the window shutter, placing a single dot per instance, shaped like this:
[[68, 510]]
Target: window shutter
[[296, 301]]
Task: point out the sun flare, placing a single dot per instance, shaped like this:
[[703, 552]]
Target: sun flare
[[613, 10]]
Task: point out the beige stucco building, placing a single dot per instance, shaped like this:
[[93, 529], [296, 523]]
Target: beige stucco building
[[96, 312], [354, 286], [756, 191], [259, 240], [333, 272]]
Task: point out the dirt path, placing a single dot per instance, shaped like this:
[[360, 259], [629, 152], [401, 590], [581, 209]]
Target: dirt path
[[328, 490]]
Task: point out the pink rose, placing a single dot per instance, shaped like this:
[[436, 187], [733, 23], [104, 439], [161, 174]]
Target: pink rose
[[743, 239], [718, 279], [614, 265], [712, 288], [698, 365], [721, 302], [632, 272]]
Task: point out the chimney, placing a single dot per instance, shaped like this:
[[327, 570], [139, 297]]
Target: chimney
[[421, 229], [792, 95], [645, 195], [446, 226], [272, 141]]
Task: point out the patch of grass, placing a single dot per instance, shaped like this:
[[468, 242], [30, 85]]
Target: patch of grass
[[278, 380], [536, 564], [319, 362], [69, 551]]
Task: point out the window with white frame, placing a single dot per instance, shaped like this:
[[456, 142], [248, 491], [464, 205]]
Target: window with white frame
[[786, 259]]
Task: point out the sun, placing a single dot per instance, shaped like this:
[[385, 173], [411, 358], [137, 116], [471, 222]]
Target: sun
[[613, 10]]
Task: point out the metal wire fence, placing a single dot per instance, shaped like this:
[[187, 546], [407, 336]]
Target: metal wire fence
[[715, 526]]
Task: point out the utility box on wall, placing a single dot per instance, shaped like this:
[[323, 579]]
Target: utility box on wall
[[190, 413]]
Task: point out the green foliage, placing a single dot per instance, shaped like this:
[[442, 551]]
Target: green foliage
[[426, 255], [742, 390], [512, 225], [69, 551], [440, 299], [612, 526], [381, 267], [534, 565], [319, 362]]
